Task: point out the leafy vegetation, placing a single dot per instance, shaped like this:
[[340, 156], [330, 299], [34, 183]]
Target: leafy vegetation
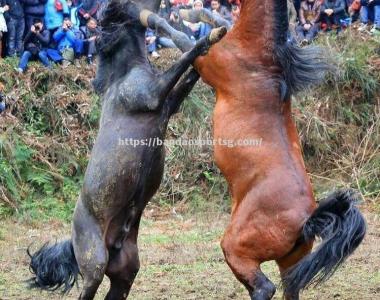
[[45, 141]]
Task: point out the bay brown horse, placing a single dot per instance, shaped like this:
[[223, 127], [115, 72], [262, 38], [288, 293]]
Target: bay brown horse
[[255, 69], [127, 159]]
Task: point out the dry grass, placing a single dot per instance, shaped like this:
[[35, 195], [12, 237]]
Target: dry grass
[[181, 259]]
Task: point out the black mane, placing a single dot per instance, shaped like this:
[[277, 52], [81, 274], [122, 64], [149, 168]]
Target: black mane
[[120, 25], [301, 67]]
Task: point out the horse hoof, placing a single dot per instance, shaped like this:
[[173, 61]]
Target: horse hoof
[[216, 34]]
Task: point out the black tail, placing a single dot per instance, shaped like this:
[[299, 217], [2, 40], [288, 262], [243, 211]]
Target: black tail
[[54, 266], [341, 226]]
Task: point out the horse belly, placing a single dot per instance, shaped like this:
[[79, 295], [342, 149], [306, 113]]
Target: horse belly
[[120, 172]]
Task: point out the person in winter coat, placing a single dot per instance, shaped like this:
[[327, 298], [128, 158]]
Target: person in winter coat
[[16, 26], [33, 9], [90, 33], [68, 44], [3, 24], [221, 10], [87, 10], [73, 12], [332, 12], [35, 44], [309, 25], [55, 11], [370, 10]]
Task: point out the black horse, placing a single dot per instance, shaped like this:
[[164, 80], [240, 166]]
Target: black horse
[[127, 159]]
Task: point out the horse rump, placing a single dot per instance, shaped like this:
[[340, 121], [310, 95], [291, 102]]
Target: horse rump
[[341, 227], [54, 266]]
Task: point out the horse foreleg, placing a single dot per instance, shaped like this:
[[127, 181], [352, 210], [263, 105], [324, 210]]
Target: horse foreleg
[[90, 251], [181, 91], [204, 15], [165, 83], [153, 21]]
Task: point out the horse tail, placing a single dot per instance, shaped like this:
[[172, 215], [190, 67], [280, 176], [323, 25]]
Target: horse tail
[[302, 67], [341, 226], [54, 266]]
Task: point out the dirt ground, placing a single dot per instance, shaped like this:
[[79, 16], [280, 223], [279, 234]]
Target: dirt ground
[[181, 259]]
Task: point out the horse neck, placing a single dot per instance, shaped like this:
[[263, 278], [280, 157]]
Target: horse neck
[[262, 25], [113, 65]]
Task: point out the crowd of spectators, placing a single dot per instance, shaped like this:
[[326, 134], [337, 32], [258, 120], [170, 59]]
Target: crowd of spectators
[[169, 10], [309, 17], [51, 31], [62, 31]]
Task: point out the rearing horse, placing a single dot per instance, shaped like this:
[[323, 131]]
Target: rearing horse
[[127, 159], [254, 70]]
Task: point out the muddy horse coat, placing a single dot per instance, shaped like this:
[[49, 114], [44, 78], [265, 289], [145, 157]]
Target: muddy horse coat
[[121, 176]]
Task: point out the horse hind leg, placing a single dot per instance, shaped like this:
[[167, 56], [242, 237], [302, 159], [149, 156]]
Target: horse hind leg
[[90, 251], [123, 267], [247, 270]]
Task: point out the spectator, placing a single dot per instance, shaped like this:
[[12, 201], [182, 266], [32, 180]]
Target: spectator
[[67, 42], [33, 9], [217, 8], [297, 5], [35, 45], [164, 11], [151, 43], [180, 3], [354, 9], [199, 29], [3, 25], [332, 12], [234, 3], [235, 13], [87, 10], [309, 15], [2, 98], [370, 10], [226, 3], [292, 17], [73, 13], [91, 32], [15, 26], [177, 23], [55, 10]]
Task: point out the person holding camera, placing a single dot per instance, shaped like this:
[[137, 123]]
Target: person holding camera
[[68, 43], [35, 44]]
